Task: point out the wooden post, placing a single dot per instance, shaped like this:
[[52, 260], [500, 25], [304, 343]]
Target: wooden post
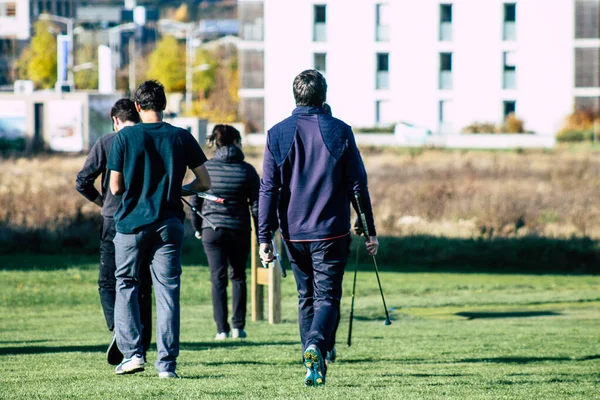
[[265, 277], [256, 288]]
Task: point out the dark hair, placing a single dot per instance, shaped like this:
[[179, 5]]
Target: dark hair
[[124, 110], [224, 135], [310, 88], [150, 95]]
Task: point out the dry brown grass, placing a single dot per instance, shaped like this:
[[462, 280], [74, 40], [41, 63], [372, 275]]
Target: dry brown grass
[[435, 192]]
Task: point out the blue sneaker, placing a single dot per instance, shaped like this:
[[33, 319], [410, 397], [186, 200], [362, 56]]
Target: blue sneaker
[[131, 365], [315, 367]]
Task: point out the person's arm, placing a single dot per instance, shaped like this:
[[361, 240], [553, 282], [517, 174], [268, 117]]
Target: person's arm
[[117, 183], [92, 168], [115, 165], [197, 202], [202, 181], [356, 176], [253, 188], [267, 203], [195, 160]]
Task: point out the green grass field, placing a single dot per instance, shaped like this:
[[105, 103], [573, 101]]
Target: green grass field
[[461, 336]]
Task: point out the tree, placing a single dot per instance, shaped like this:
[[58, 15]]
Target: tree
[[42, 64], [167, 64], [182, 14], [218, 87]]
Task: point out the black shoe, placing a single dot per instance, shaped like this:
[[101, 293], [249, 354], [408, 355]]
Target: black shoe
[[113, 354]]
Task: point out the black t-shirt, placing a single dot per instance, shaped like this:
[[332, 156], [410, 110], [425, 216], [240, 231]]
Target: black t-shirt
[[153, 158]]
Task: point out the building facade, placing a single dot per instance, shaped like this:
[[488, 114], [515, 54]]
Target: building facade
[[440, 65], [16, 25]]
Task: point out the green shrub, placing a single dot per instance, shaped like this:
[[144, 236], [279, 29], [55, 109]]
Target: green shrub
[[575, 136], [12, 145], [375, 129]]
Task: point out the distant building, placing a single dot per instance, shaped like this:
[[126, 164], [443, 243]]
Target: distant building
[[441, 65], [16, 23], [251, 64]]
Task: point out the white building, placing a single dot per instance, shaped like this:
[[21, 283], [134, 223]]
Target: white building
[[437, 64], [16, 23]]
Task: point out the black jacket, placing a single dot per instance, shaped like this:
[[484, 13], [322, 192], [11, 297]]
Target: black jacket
[[237, 182], [94, 166]]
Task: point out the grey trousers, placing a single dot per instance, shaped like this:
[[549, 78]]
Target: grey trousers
[[160, 243]]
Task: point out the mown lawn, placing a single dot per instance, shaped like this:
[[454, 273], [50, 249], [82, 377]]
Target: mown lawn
[[461, 336]]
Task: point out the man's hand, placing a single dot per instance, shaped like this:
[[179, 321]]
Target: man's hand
[[266, 252], [372, 245], [357, 227], [198, 235]]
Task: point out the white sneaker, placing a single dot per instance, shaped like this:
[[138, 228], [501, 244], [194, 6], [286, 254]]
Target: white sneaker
[[222, 336], [167, 375], [238, 333], [131, 365]]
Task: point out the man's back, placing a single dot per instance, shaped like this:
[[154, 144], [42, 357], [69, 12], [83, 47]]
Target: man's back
[[94, 166], [153, 158], [316, 164]]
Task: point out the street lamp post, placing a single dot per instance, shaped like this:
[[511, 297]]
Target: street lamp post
[[112, 35], [188, 27], [69, 22]]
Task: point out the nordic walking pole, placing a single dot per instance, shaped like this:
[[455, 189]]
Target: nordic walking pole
[[363, 220], [194, 209], [349, 342]]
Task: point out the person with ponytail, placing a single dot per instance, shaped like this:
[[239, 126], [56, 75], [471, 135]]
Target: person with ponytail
[[227, 248]]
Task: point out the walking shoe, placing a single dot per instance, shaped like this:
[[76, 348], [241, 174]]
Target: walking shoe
[[315, 367], [167, 375], [330, 357], [238, 333], [113, 354], [130, 365], [222, 336]]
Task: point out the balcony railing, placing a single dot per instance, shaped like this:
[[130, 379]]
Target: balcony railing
[[509, 80], [446, 80], [446, 31], [509, 31], [320, 32], [382, 33], [253, 32], [383, 80]]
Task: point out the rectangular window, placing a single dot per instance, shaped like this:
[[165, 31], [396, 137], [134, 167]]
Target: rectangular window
[[445, 82], [383, 71], [445, 22], [320, 23], [587, 103], [509, 32], [587, 19], [383, 113], [509, 77], [320, 62], [8, 9], [252, 74], [68, 9], [252, 111], [445, 117], [251, 20], [382, 22], [587, 67], [510, 107]]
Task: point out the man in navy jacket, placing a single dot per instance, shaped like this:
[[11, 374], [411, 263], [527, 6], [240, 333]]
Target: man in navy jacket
[[311, 170]]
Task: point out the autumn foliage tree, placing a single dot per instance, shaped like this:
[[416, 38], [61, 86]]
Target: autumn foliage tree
[[38, 61], [167, 64]]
